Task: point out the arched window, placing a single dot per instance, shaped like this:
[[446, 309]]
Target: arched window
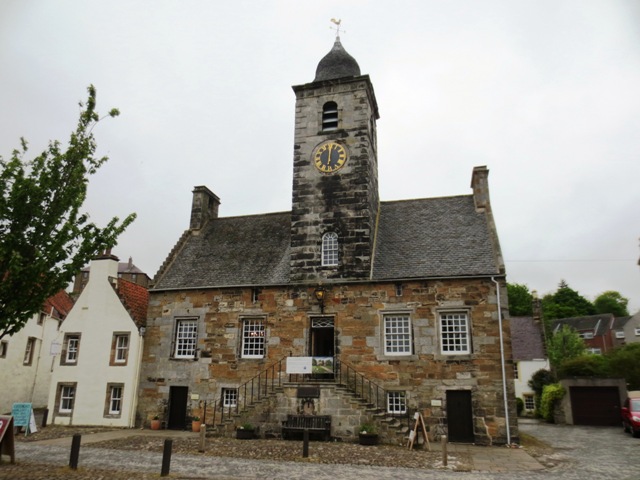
[[329, 116], [329, 249]]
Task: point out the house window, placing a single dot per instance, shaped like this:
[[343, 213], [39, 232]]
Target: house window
[[515, 370], [637, 332], [255, 295], [586, 335], [594, 351], [115, 399], [71, 349], [397, 335], [529, 403], [66, 398], [28, 351], [4, 346], [186, 338], [454, 333], [619, 334], [229, 397], [330, 249], [253, 338], [41, 318], [121, 345], [396, 402], [329, 116]]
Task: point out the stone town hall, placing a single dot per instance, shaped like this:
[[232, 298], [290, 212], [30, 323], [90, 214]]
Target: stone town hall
[[395, 306]]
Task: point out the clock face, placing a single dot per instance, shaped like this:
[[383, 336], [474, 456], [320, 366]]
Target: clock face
[[329, 157]]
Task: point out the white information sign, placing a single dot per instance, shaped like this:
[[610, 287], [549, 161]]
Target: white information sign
[[299, 365]]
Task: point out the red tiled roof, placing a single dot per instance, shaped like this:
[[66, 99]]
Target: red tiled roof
[[58, 305], [135, 299]]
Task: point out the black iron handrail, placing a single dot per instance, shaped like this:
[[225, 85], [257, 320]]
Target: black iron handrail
[[360, 385]]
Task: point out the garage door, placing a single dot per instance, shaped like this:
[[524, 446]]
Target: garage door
[[595, 405]]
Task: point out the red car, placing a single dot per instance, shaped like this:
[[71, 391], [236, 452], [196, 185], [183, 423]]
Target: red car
[[631, 413]]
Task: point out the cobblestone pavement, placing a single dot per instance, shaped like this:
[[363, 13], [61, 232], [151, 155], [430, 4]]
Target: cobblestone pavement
[[580, 453]]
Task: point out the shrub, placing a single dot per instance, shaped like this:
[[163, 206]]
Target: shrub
[[367, 428], [551, 395], [519, 406], [584, 366]]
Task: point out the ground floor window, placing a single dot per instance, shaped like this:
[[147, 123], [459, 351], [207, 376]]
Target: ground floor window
[[396, 402], [66, 398], [229, 397], [529, 403], [114, 399]]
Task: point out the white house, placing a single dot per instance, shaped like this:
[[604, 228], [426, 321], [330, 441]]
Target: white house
[[26, 357], [529, 356], [95, 376]]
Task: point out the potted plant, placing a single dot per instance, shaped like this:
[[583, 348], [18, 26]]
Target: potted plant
[[155, 423], [368, 434], [245, 432], [195, 423]]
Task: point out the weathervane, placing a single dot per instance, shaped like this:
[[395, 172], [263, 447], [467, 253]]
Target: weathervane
[[337, 27]]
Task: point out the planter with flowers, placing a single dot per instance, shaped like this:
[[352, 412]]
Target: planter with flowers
[[368, 434], [195, 424], [155, 423], [245, 432]]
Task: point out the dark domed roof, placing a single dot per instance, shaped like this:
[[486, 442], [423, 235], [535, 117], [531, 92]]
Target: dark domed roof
[[337, 64]]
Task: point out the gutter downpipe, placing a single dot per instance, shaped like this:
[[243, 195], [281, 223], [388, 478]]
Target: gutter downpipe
[[504, 373]]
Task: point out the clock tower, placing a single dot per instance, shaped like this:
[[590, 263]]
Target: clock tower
[[335, 173]]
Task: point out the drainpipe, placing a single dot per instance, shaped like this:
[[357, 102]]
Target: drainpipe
[[504, 374]]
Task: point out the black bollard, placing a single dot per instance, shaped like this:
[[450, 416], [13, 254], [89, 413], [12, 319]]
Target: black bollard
[[166, 457], [75, 451], [45, 416], [305, 443]]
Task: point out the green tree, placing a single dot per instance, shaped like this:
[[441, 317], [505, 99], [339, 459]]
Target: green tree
[[520, 300], [538, 381], [565, 303], [44, 239], [564, 345], [624, 362], [611, 302]]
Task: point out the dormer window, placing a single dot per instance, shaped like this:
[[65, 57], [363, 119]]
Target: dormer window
[[330, 249], [330, 117]]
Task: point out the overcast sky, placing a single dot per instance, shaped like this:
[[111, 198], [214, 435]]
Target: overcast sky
[[546, 94]]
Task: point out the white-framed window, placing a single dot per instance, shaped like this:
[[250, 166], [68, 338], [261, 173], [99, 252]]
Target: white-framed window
[[637, 332], [115, 400], [253, 334], [229, 397], [397, 334], [586, 335], [67, 398], [28, 351], [186, 338], [329, 116], [619, 334], [396, 402], [529, 402], [516, 373], [71, 349], [454, 333], [594, 351], [122, 348], [330, 249]]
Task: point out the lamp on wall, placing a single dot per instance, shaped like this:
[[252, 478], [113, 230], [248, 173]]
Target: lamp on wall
[[320, 293], [142, 331]]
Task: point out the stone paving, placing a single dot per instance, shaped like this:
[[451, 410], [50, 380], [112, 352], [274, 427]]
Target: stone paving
[[581, 453]]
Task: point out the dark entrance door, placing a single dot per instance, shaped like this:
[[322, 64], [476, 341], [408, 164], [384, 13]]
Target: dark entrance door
[[459, 416], [595, 405], [322, 345], [177, 408]]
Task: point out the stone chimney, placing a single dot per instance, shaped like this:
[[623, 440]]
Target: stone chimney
[[480, 186], [204, 207]]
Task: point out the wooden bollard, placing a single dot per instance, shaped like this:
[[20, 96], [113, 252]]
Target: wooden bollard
[[305, 443], [75, 451], [166, 457], [444, 450], [203, 433]]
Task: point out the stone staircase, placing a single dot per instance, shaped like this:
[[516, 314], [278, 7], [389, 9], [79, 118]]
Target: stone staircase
[[349, 398]]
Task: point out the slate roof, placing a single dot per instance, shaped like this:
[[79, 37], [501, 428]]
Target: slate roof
[[598, 324], [526, 339], [337, 64], [427, 238]]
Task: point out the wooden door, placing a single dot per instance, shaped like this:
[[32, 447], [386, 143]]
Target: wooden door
[[459, 416], [178, 408]]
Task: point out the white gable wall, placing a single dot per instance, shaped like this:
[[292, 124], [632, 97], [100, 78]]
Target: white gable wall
[[526, 369], [27, 382], [96, 316]]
